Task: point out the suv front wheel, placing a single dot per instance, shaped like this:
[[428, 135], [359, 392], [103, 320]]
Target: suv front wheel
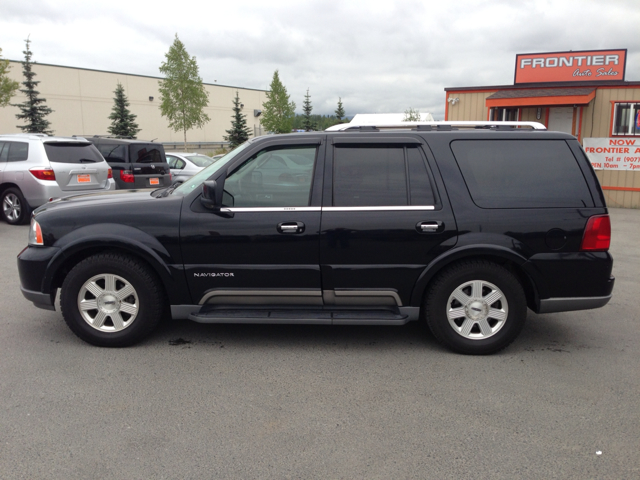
[[476, 307], [111, 300]]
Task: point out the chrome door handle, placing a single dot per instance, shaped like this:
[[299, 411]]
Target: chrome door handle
[[429, 227], [291, 227]]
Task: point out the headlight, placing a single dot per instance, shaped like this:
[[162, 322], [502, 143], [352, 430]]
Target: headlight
[[35, 233]]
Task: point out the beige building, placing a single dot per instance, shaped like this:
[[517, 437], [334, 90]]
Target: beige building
[[82, 100], [581, 93]]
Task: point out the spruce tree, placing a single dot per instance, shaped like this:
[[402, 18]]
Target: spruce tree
[[239, 132], [307, 124], [277, 111], [8, 87], [33, 108], [122, 120], [183, 96], [340, 110]]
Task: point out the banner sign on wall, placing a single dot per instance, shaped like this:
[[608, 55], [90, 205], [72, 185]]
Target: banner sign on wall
[[613, 153], [582, 66]]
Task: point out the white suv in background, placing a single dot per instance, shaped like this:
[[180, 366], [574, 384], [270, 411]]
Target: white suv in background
[[35, 168]]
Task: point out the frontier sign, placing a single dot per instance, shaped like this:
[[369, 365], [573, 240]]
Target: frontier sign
[[583, 66]]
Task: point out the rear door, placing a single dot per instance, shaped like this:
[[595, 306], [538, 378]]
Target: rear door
[[383, 220], [78, 166]]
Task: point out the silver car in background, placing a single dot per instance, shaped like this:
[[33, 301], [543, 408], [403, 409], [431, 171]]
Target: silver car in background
[[35, 168], [185, 165]]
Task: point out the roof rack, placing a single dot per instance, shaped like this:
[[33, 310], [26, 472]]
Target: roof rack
[[438, 126], [120, 137]]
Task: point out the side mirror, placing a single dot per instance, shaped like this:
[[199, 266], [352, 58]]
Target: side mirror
[[209, 196]]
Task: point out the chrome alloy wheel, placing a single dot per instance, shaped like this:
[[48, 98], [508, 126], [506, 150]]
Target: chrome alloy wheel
[[477, 310], [12, 207], [108, 303]]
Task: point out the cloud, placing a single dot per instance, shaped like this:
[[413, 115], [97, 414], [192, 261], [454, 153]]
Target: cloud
[[378, 57]]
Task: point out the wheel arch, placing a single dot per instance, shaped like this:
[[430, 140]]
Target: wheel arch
[[74, 252], [499, 255]]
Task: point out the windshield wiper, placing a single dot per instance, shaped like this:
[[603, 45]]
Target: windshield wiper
[[88, 160]]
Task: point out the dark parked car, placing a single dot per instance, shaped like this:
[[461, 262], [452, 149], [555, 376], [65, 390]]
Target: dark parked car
[[135, 163], [462, 228]]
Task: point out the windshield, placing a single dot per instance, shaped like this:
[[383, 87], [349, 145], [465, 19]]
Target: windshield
[[200, 160], [200, 177]]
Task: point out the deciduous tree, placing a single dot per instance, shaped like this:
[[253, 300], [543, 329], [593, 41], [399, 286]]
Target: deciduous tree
[[34, 110], [183, 96], [239, 132], [277, 111], [412, 115], [122, 120], [8, 87]]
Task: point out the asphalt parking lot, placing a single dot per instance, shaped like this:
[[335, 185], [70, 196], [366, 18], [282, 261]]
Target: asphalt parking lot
[[233, 401]]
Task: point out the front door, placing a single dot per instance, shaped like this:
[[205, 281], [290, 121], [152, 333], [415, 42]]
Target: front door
[[262, 247], [383, 221]]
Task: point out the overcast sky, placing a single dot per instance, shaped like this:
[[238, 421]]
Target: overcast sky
[[377, 56]]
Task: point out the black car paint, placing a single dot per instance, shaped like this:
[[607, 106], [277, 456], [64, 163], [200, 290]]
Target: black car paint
[[178, 237]]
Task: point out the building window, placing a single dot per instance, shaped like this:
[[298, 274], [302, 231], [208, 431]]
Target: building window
[[626, 119], [504, 114]]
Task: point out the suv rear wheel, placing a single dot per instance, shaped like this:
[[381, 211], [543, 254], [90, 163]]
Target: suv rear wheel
[[476, 307], [15, 209], [111, 300]]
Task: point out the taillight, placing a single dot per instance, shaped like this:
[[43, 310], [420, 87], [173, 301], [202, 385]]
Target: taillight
[[597, 234], [110, 174], [43, 173], [126, 176]]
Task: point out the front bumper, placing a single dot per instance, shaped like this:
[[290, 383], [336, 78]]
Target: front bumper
[[40, 300], [32, 268]]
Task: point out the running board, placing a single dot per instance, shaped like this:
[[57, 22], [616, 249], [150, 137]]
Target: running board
[[301, 316]]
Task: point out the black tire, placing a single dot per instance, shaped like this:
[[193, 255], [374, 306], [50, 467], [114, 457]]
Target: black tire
[[475, 307], [127, 295], [15, 209]]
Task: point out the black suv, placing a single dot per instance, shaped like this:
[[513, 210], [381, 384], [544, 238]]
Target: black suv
[[135, 163], [463, 228]]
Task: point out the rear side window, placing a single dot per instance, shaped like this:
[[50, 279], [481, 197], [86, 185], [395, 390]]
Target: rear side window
[[14, 151], [61, 152], [369, 177], [147, 153], [113, 153], [376, 176], [521, 173]]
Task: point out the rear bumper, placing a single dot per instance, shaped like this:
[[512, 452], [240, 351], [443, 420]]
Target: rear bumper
[[41, 194], [551, 305]]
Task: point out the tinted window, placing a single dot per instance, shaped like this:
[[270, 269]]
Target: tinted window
[[14, 152], [113, 153], [278, 177], [521, 173], [60, 152], [147, 153], [369, 177], [421, 189]]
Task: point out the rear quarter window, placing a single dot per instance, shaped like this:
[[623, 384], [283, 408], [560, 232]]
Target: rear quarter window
[[521, 173], [61, 152]]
